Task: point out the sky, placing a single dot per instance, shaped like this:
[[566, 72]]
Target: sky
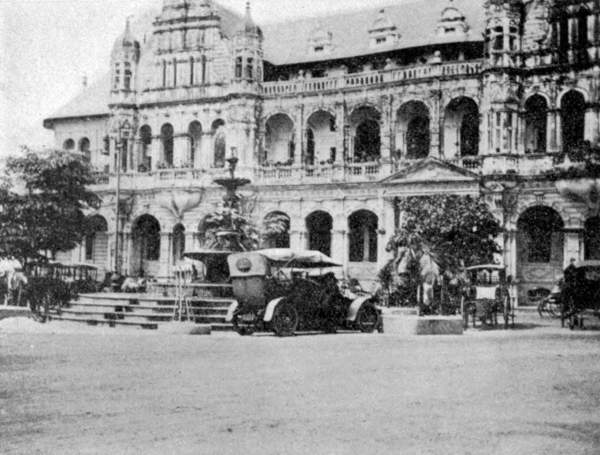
[[48, 46]]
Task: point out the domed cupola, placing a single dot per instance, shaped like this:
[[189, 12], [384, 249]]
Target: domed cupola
[[452, 22], [249, 27], [124, 59]]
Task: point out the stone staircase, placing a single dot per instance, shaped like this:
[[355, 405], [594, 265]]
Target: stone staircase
[[144, 311]]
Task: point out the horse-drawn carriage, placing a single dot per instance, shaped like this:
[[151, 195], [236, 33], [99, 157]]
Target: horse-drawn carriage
[[487, 295], [582, 296]]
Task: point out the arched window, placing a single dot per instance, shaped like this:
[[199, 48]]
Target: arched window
[[536, 115], [146, 143], [461, 128], [146, 234], [178, 243], [413, 139], [279, 139], [541, 235], [319, 225], [363, 236], [220, 143], [195, 134], [166, 133], [572, 108], [367, 137], [591, 239], [127, 76], [249, 68], [69, 144], [238, 67], [84, 148]]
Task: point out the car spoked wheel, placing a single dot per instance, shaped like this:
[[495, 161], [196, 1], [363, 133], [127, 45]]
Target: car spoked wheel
[[285, 320], [367, 319], [242, 327]]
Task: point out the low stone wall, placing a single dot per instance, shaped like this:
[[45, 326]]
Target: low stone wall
[[410, 324], [14, 312]]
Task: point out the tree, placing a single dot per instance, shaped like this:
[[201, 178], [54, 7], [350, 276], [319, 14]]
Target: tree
[[458, 230], [43, 201]]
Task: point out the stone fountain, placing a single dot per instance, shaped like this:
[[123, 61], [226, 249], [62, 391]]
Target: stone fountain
[[229, 238]]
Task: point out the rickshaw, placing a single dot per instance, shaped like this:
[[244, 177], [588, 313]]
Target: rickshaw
[[582, 296], [487, 295], [285, 291]]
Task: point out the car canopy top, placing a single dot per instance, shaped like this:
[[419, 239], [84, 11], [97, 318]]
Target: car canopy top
[[286, 257]]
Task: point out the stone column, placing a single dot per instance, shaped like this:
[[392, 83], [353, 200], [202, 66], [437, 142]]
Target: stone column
[[190, 240], [206, 151], [573, 245], [558, 131], [298, 240], [341, 130], [181, 150], [386, 229], [155, 149], [551, 131], [510, 251], [126, 253], [165, 254], [591, 124], [339, 247]]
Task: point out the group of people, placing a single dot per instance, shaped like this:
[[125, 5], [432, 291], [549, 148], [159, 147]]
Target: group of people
[[12, 281]]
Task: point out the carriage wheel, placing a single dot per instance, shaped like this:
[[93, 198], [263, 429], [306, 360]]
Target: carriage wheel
[[367, 319], [285, 320]]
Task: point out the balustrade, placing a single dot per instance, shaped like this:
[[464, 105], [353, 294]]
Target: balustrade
[[497, 164], [372, 78]]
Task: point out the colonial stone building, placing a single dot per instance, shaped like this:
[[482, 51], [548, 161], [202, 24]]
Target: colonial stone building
[[335, 118]]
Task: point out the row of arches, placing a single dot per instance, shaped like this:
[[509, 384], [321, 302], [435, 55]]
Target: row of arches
[[83, 146], [194, 137], [414, 131], [540, 238]]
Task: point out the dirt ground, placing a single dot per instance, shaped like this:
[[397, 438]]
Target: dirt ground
[[535, 390]]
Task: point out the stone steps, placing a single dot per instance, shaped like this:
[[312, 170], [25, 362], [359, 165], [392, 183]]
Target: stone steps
[[143, 310]]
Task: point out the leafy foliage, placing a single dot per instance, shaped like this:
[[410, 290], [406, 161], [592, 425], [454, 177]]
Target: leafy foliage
[[582, 161], [229, 219], [458, 230], [276, 230], [43, 200]]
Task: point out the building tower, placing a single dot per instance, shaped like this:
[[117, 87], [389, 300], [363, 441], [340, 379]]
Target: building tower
[[124, 65], [248, 55], [502, 78]]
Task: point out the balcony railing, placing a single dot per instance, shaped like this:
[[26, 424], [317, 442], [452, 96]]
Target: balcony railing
[[524, 165], [372, 78]]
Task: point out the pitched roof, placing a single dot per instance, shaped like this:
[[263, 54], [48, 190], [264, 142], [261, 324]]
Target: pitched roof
[[288, 42], [416, 21], [92, 101]]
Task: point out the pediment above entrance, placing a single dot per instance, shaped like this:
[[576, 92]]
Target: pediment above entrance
[[432, 176], [432, 170]]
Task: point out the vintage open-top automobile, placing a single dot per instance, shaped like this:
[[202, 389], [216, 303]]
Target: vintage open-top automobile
[[582, 296], [285, 291], [488, 295]]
